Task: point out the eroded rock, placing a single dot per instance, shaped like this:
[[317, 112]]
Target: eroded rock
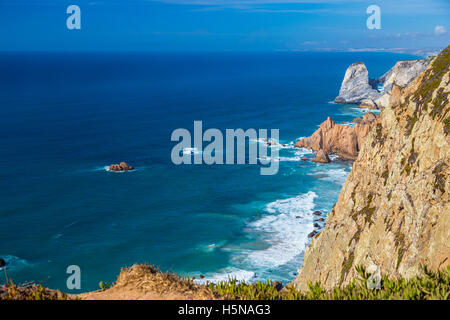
[[343, 140]]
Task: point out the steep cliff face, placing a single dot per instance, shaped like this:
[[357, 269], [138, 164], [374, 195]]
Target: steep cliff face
[[393, 212]]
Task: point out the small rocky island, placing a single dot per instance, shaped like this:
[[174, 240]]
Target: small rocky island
[[123, 166]]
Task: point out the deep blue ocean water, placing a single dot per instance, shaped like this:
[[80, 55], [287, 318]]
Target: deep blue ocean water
[[64, 117]]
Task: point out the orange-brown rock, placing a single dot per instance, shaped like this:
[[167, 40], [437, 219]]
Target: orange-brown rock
[[343, 140], [321, 157], [123, 166]]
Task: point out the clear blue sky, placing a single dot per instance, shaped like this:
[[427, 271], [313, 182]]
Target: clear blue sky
[[222, 25]]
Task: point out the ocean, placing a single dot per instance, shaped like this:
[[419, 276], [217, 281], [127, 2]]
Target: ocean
[[67, 116]]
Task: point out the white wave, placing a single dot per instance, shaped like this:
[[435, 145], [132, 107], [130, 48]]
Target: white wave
[[191, 151], [303, 151], [337, 176], [14, 263], [227, 274], [210, 247], [275, 144], [285, 229], [333, 157], [106, 168], [299, 153], [364, 110], [277, 159]]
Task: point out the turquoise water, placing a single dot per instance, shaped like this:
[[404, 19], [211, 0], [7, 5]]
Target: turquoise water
[[67, 116]]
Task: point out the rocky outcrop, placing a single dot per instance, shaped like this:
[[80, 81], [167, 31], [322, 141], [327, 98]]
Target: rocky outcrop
[[403, 73], [321, 157], [357, 88], [123, 166], [393, 212], [343, 140]]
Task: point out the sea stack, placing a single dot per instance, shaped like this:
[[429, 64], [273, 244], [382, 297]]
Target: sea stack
[[356, 85]]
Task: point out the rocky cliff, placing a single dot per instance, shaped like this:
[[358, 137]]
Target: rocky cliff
[[393, 211], [358, 88], [343, 140]]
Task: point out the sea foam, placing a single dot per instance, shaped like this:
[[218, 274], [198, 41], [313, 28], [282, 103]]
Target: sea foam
[[337, 176], [285, 228], [14, 263], [227, 274]]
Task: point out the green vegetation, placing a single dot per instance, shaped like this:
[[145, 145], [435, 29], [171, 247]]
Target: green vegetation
[[431, 285], [347, 265], [439, 182], [385, 176], [433, 78], [31, 292], [427, 286], [447, 125], [411, 122], [379, 137], [367, 211], [429, 84], [423, 97], [411, 160], [105, 285]]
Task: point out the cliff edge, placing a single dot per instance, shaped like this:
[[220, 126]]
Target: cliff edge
[[393, 211]]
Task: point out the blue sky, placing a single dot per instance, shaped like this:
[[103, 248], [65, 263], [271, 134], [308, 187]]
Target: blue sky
[[223, 25]]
